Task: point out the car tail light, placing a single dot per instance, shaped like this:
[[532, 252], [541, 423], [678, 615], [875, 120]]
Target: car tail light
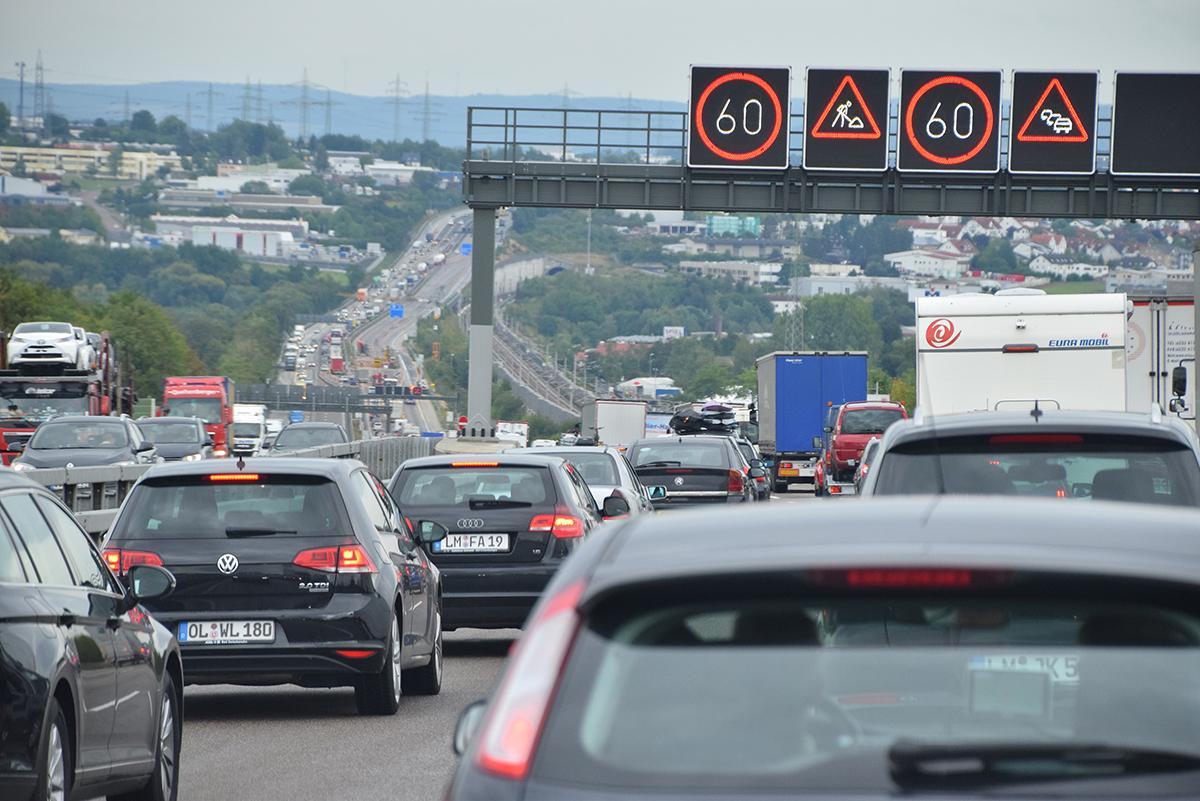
[[561, 524], [787, 465], [737, 482], [354, 653], [835, 490], [221, 478], [338, 559], [509, 735], [474, 464], [1019, 348], [909, 578], [120, 560], [1036, 439]]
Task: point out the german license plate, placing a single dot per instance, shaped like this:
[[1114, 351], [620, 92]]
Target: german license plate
[[788, 471], [226, 632], [472, 543], [1062, 668]]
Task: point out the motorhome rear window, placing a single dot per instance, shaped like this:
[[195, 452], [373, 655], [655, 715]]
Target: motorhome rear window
[[1045, 463]]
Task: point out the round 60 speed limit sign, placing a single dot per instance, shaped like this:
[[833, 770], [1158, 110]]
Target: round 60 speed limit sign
[[949, 121], [738, 118]]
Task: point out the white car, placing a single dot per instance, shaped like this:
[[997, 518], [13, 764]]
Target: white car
[[47, 343], [86, 358]]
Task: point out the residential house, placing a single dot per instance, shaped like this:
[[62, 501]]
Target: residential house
[[930, 263], [1062, 266], [1053, 242], [760, 272]]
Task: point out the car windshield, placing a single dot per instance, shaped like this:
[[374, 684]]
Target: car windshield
[[809, 695], [676, 453], [1066, 465], [207, 409], [59, 436], [247, 429], [199, 507], [452, 486], [171, 433], [597, 469], [308, 437], [29, 329], [869, 421], [33, 405]]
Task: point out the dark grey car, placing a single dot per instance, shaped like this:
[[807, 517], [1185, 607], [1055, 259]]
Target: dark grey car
[[301, 436], [1120, 456], [694, 469], [177, 439], [85, 440], [910, 647]]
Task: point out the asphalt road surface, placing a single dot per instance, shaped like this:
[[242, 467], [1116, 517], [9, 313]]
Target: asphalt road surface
[[293, 744]]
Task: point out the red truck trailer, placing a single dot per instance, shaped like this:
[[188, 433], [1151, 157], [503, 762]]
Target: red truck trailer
[[209, 397]]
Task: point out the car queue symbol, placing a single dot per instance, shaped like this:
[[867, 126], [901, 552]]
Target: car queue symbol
[[1053, 123], [1053, 118], [738, 118], [949, 122]]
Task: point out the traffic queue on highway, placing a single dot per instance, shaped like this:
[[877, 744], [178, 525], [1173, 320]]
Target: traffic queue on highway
[[676, 641]]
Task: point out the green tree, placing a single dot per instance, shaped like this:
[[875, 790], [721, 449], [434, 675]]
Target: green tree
[[308, 185], [5, 119], [173, 127], [151, 346], [56, 125], [256, 188], [996, 257], [143, 122]]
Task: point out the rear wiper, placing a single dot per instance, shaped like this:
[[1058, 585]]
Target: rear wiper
[[964, 766], [243, 531], [660, 463], [497, 503]]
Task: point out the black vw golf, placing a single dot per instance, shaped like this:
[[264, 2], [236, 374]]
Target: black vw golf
[[298, 571], [512, 520]]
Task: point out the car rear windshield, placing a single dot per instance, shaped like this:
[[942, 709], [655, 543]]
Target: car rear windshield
[[1063, 465], [215, 508], [596, 468], [808, 695], [869, 421], [171, 433], [59, 436], [674, 453], [455, 486], [308, 437]]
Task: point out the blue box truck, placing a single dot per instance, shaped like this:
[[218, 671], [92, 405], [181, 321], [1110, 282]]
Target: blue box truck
[[794, 391]]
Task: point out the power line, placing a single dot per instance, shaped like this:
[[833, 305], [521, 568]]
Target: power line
[[210, 94], [303, 102], [246, 98], [187, 118], [127, 118], [398, 89], [21, 94], [428, 113], [258, 103], [39, 89]]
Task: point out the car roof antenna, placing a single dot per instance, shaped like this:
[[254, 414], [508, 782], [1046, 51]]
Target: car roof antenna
[[1036, 412], [241, 462]]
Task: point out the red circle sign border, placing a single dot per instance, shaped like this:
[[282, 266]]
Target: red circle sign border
[[912, 104], [762, 84]]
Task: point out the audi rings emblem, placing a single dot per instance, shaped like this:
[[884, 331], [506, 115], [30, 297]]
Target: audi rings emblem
[[470, 522], [228, 563], [679, 481]]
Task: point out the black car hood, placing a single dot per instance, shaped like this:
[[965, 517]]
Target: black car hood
[[78, 457], [177, 450]]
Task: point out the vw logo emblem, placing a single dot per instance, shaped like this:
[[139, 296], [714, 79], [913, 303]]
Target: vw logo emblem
[[227, 564], [470, 522], [679, 481]]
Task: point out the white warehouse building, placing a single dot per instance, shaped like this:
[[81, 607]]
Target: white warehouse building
[[273, 244]]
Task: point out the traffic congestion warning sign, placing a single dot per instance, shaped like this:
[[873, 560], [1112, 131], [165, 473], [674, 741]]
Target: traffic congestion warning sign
[[1053, 123], [738, 118], [1155, 120], [843, 110], [949, 122]]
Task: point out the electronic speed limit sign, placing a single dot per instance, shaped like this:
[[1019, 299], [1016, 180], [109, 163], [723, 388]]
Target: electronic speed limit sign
[[949, 121], [738, 118]]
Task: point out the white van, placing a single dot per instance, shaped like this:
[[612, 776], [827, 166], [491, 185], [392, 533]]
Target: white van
[[249, 428], [1018, 347]]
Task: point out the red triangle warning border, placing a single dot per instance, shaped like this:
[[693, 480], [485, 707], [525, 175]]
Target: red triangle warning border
[[1082, 136], [872, 134]]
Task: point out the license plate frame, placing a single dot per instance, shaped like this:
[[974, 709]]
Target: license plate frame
[[226, 632], [472, 542]]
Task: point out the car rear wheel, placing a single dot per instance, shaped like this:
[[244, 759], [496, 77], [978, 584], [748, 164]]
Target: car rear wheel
[[380, 694], [55, 775], [427, 679], [163, 784]]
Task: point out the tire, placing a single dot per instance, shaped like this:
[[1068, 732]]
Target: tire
[[55, 771], [427, 679], [164, 782], [380, 694]]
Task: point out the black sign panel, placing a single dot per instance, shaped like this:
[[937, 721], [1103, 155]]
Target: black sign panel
[[949, 121], [739, 118], [1053, 123], [845, 119], [1156, 124]]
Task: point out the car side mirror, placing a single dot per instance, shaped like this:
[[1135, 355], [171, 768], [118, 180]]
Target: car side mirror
[[1179, 381], [615, 506], [429, 531], [145, 446], [818, 443], [468, 723], [827, 429], [757, 472], [208, 442], [657, 492], [148, 582], [16, 447], [1176, 405], [1081, 490], [756, 463]]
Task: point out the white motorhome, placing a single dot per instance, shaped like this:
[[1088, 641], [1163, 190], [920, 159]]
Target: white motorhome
[[1008, 350], [1161, 335], [249, 428]]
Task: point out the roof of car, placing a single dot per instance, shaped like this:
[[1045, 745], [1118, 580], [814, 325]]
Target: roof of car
[[554, 450], [986, 422], [872, 404], [330, 468], [10, 478], [314, 424], [508, 458], [1046, 534], [680, 438], [169, 419], [84, 418]]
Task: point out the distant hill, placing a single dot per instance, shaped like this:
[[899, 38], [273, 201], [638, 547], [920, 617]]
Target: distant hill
[[370, 117]]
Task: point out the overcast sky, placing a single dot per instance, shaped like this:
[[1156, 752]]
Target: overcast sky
[[606, 47]]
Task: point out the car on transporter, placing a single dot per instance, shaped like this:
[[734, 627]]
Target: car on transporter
[[289, 571], [923, 648]]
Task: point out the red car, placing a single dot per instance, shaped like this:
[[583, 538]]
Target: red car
[[857, 422]]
